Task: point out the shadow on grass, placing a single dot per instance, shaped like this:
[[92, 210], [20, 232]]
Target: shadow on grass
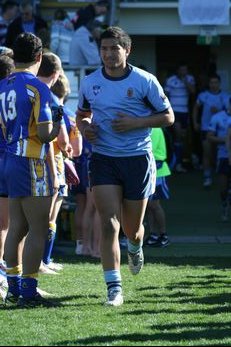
[[212, 262], [191, 333]]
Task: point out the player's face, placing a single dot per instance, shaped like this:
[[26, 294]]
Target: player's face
[[113, 55], [214, 84]]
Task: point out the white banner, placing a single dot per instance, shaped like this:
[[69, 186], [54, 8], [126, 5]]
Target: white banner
[[204, 12]]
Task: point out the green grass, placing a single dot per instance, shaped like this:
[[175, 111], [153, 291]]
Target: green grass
[[179, 299]]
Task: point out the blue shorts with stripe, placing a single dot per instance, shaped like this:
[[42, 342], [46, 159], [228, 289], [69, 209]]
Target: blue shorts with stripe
[[162, 190], [3, 184], [27, 177], [136, 174]]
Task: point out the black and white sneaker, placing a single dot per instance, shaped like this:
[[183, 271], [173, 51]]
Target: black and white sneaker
[[151, 240], [163, 241]]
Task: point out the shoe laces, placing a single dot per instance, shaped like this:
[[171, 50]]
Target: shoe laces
[[112, 294]]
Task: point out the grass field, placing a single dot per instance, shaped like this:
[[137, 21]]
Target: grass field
[[181, 298], [177, 300]]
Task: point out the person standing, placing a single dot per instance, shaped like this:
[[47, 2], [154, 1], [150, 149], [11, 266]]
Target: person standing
[[83, 47], [6, 68], [217, 134], [90, 12], [208, 103], [27, 21], [155, 212], [27, 124], [62, 31], [118, 105], [9, 12], [178, 88]]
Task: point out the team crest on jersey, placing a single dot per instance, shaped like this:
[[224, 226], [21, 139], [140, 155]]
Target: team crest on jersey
[[96, 90], [130, 92]]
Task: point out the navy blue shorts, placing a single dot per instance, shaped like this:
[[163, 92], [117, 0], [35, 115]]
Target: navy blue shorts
[[182, 118], [3, 184], [223, 166], [27, 177], [162, 190], [135, 174], [81, 167]]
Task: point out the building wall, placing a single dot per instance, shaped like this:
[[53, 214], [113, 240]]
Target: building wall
[[145, 24]]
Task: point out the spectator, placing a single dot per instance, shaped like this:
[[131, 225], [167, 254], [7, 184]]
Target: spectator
[[27, 21], [83, 48], [207, 104], [9, 12], [217, 133], [61, 35], [89, 13], [178, 88]]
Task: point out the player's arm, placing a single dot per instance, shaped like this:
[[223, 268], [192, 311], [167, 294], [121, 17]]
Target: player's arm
[[85, 125], [124, 122], [212, 137], [76, 141], [47, 132], [52, 167]]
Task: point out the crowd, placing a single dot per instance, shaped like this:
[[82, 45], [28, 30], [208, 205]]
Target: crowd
[[114, 146]]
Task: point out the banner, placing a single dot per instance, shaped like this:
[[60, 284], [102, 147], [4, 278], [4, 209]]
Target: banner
[[204, 12]]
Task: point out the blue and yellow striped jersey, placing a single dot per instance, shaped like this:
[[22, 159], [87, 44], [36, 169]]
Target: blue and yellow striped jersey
[[24, 103]]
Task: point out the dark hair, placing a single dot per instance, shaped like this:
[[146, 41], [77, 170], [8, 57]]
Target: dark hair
[[102, 3], [50, 64], [93, 24], [26, 48], [60, 14], [6, 66], [214, 76], [8, 5], [114, 32]]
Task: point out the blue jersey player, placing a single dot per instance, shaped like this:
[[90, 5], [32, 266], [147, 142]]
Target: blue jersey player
[[27, 123], [118, 105]]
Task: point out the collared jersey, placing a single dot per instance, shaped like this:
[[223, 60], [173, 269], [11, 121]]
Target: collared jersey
[[208, 100], [137, 94], [219, 125], [24, 103], [178, 93]]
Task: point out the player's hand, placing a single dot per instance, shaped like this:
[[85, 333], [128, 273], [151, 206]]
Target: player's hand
[[91, 133], [123, 123], [68, 152]]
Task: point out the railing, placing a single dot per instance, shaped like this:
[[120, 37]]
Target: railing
[[80, 70], [75, 73]]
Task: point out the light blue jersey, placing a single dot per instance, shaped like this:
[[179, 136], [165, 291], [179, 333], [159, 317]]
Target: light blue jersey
[[219, 125], [209, 100], [178, 93], [137, 94]]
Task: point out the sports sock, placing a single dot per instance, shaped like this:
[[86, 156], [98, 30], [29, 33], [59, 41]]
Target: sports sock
[[49, 243], [29, 285], [134, 247], [14, 279], [113, 280]]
